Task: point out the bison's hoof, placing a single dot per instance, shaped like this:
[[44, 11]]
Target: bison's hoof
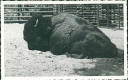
[[77, 56]]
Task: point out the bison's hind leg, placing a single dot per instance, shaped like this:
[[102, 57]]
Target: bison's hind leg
[[92, 46], [100, 45]]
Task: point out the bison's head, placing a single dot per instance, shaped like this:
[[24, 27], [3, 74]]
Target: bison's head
[[36, 32]]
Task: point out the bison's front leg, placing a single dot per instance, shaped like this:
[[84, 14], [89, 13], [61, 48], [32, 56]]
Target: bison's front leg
[[79, 50]]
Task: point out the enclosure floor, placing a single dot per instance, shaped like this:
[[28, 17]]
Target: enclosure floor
[[19, 61]]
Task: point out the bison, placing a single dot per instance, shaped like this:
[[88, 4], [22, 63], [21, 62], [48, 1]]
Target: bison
[[67, 34]]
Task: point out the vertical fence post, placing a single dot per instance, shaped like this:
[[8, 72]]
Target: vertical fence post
[[19, 11], [98, 14], [119, 15]]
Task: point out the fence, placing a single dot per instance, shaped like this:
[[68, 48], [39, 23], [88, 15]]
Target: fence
[[110, 15]]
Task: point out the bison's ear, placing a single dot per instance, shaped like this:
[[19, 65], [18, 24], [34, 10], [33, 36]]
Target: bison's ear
[[36, 23]]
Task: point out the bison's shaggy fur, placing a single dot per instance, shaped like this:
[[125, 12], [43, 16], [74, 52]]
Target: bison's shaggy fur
[[67, 34]]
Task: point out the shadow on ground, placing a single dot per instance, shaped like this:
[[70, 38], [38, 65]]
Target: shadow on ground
[[104, 67]]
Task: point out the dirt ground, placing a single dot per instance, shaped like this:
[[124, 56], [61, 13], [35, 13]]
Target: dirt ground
[[19, 61]]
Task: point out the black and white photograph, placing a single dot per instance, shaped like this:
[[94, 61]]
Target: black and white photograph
[[63, 40]]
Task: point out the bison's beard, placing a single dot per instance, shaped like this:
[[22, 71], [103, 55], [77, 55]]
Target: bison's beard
[[39, 44]]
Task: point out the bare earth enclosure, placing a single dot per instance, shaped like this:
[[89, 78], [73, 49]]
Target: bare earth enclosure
[[19, 61]]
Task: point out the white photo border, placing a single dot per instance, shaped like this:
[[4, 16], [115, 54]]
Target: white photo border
[[64, 77]]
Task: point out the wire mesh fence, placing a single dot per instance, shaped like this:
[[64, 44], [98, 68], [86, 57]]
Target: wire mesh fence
[[110, 15]]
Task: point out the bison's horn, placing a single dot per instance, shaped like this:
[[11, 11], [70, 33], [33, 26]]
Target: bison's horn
[[36, 23]]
